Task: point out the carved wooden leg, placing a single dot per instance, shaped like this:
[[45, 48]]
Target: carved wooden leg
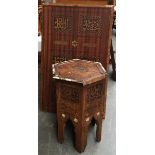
[[99, 130], [61, 131], [80, 138]]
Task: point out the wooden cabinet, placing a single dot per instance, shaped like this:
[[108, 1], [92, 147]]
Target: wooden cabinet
[[73, 30]]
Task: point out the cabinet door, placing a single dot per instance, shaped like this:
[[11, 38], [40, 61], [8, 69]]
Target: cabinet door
[[60, 45], [62, 33], [93, 33]]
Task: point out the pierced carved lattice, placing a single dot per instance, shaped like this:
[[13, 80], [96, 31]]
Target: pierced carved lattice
[[57, 59], [94, 92], [62, 24], [70, 93], [91, 24]]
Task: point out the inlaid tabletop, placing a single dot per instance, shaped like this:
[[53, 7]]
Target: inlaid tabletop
[[80, 71]]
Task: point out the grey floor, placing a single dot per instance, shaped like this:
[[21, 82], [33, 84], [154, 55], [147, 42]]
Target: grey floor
[[47, 140]]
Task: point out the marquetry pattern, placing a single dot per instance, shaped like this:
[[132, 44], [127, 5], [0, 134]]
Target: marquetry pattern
[[88, 24], [59, 43], [57, 59], [62, 24], [74, 43], [91, 25]]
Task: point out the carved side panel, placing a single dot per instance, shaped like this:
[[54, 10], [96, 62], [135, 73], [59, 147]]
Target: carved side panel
[[94, 92], [94, 99], [69, 93], [70, 99]]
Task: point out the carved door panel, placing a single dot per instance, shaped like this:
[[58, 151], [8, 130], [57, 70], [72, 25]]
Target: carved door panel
[[92, 38], [62, 27]]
